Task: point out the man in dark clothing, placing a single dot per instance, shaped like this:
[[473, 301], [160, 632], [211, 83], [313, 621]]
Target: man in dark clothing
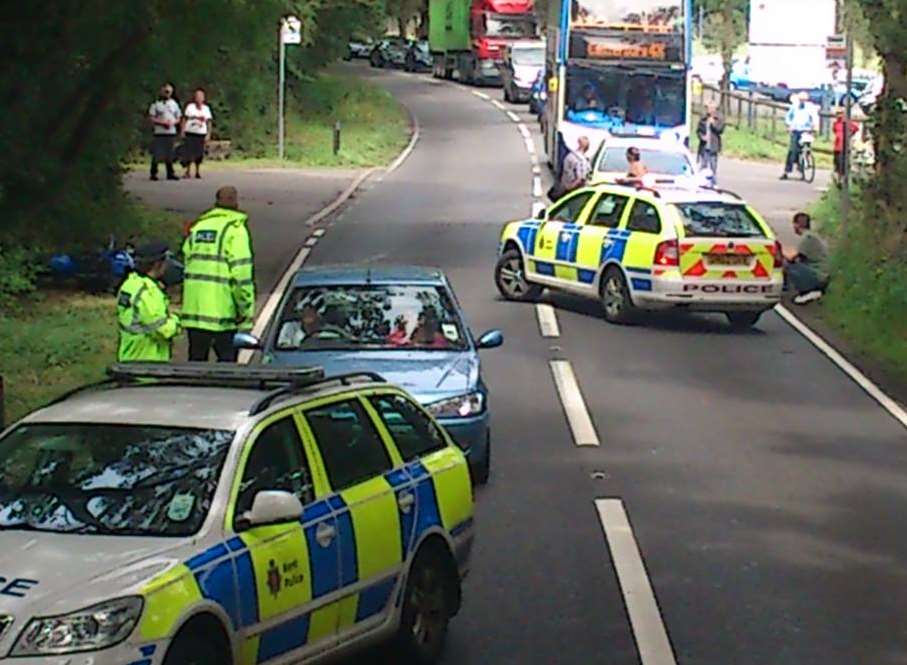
[[709, 131], [805, 268]]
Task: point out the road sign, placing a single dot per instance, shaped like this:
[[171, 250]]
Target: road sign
[[290, 30]]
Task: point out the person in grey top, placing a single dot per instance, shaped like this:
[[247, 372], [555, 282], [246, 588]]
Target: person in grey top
[[709, 131], [805, 269], [165, 116], [576, 167]]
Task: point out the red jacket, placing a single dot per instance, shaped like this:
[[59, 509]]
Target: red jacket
[[838, 129]]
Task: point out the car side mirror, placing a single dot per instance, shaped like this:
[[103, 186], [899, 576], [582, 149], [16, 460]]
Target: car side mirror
[[271, 507], [541, 214], [244, 340], [491, 339]]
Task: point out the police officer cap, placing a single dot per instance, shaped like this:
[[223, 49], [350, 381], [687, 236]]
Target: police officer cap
[[156, 250]]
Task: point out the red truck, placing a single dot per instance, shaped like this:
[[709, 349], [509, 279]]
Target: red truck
[[467, 38]]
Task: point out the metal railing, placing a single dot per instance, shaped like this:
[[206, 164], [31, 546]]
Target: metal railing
[[762, 116]]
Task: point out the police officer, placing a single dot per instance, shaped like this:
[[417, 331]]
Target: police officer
[[218, 285], [147, 327]]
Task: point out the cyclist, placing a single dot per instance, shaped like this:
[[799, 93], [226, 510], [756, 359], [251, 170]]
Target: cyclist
[[800, 119]]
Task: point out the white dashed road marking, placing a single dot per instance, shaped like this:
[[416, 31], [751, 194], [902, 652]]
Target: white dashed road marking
[[513, 116], [524, 131], [547, 320], [580, 422], [498, 105], [537, 187], [645, 617], [481, 95], [530, 146]]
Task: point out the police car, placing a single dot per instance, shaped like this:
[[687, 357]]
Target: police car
[[215, 515], [637, 248]]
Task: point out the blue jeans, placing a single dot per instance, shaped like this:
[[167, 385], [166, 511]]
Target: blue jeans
[[803, 278], [793, 151]]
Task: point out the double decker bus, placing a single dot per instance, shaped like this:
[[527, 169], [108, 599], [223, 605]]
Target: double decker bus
[[616, 67]]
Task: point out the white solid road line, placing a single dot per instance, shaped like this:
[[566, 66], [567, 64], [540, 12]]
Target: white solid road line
[[481, 95], [574, 405], [547, 320], [513, 116], [537, 187], [524, 131], [648, 628], [886, 402]]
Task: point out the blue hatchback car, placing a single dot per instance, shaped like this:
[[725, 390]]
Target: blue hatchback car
[[401, 322]]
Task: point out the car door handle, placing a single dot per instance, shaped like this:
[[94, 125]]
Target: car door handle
[[324, 534], [406, 501]]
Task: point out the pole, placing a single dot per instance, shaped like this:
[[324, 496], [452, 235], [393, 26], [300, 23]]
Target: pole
[[848, 113], [280, 95]]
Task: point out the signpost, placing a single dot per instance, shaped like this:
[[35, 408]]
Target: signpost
[[290, 33]]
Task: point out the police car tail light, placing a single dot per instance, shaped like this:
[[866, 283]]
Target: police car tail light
[[777, 254], [96, 627], [667, 253]]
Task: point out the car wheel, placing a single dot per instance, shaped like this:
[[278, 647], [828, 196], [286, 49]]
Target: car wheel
[[510, 278], [426, 609], [481, 472], [616, 302], [743, 320], [198, 647]]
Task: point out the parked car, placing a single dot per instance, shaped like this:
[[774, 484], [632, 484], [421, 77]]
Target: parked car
[[523, 60], [418, 58], [360, 49], [389, 52], [708, 68]]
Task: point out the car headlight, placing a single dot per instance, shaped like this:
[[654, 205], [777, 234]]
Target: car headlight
[[96, 627], [461, 406]]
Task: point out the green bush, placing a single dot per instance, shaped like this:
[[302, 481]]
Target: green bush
[[18, 273]]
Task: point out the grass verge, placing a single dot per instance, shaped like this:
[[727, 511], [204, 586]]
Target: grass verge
[[745, 143], [867, 299], [61, 340]]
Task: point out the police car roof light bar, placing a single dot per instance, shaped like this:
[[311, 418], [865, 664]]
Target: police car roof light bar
[[726, 191], [216, 374], [285, 391]]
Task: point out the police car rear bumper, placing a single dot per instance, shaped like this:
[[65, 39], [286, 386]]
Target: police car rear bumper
[[706, 296]]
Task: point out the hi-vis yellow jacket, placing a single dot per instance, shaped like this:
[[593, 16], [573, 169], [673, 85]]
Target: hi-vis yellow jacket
[[147, 327], [218, 286]]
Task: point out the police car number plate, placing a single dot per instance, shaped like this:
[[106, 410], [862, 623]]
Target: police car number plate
[[728, 259]]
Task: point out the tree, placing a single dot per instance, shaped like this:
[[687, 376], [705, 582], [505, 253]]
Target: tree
[[724, 31]]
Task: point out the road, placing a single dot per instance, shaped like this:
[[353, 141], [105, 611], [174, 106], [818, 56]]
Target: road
[[763, 489]]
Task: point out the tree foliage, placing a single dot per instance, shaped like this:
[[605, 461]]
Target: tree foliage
[[77, 77], [725, 30]]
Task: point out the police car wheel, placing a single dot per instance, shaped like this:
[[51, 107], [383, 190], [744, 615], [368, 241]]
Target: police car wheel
[[510, 278], [743, 320], [426, 610], [198, 644], [616, 302]]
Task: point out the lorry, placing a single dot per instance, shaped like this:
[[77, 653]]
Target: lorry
[[467, 38]]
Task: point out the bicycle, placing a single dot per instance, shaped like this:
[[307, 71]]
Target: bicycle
[[806, 162]]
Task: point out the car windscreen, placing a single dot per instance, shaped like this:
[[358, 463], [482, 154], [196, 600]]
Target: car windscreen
[[716, 219], [528, 57], [655, 161], [391, 317], [109, 479]]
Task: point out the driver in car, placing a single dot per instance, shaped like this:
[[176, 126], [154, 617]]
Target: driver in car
[[293, 333]]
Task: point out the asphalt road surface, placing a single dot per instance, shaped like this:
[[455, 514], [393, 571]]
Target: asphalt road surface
[[745, 502]]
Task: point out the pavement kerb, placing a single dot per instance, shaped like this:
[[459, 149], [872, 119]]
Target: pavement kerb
[[270, 305]]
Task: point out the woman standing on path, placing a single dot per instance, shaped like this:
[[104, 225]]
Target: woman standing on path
[[198, 121]]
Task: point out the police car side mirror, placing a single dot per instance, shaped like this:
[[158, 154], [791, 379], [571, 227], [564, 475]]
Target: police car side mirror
[[541, 214], [244, 340], [271, 507]]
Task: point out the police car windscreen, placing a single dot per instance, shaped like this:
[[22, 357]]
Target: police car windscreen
[[389, 317], [656, 161], [715, 219], [109, 479]]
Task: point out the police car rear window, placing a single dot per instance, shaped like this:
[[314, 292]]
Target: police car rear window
[[656, 161], [109, 479], [719, 220]]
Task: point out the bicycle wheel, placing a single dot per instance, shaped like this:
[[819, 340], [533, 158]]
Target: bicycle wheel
[[809, 166]]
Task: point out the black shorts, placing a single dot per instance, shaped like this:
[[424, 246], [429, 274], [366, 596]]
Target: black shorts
[[162, 147]]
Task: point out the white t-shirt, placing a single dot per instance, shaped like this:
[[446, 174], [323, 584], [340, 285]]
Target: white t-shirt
[[165, 109], [197, 119]]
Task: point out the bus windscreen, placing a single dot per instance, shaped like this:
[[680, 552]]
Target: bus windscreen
[[651, 15]]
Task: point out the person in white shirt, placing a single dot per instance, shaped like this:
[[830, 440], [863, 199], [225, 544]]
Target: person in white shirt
[[165, 116], [198, 121]]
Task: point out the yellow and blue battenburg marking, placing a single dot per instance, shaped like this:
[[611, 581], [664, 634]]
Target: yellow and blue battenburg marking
[[146, 653], [272, 571]]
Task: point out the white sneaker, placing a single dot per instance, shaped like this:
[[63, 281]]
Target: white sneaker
[[808, 297]]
